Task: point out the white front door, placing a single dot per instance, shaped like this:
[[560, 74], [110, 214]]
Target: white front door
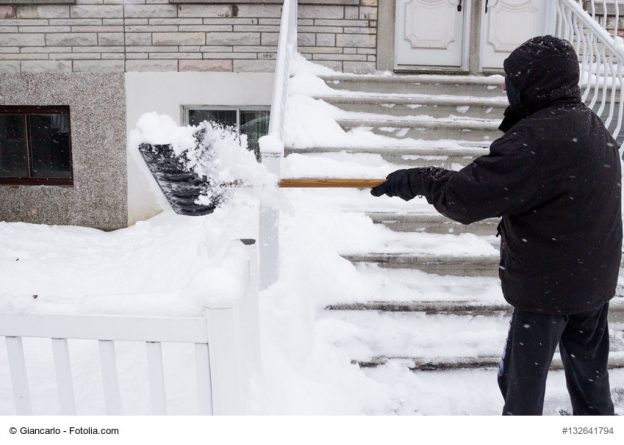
[[430, 33], [505, 25], [435, 34]]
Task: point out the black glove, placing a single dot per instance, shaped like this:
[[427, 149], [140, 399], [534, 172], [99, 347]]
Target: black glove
[[407, 183], [397, 184]]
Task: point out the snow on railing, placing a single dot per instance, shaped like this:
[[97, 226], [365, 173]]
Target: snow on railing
[[593, 28], [225, 339], [272, 145]]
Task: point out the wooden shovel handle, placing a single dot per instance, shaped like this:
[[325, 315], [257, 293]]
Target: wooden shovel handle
[[329, 183]]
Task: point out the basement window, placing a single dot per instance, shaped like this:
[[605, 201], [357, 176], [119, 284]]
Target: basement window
[[251, 121], [35, 145]]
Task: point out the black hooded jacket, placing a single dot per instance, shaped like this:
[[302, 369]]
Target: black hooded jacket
[[554, 177]]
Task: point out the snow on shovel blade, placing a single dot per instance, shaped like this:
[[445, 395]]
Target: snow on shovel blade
[[181, 187]]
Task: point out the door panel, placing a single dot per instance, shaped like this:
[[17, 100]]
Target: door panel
[[506, 25], [430, 33]]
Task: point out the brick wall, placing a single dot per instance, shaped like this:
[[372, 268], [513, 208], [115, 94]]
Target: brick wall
[[153, 35]]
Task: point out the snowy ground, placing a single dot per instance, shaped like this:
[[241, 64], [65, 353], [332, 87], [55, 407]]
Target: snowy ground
[[153, 266]]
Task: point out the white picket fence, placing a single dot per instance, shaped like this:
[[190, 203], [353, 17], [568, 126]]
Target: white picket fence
[[225, 339]]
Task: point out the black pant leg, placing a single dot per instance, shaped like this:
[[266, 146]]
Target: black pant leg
[[584, 350], [530, 346]]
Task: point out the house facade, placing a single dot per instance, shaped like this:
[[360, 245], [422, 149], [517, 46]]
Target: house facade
[[75, 76]]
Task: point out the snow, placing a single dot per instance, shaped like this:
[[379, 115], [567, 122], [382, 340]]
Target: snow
[[156, 267], [271, 144], [312, 122], [175, 265], [208, 149]]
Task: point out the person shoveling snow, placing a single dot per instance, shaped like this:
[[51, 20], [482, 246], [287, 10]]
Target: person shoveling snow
[[554, 178]]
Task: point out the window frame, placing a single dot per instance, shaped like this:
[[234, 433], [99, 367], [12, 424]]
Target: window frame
[[186, 109], [26, 110]]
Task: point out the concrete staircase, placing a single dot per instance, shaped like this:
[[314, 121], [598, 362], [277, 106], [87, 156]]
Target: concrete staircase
[[460, 116]]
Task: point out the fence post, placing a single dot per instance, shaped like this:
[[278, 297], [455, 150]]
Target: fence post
[[250, 316], [224, 348], [233, 340], [268, 229]]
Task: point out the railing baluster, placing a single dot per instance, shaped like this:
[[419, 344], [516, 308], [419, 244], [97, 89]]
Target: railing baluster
[[590, 64], [611, 86], [110, 379], [62, 368], [620, 114], [19, 377], [576, 38], [617, 18], [583, 39], [596, 72], [603, 82], [204, 380], [156, 372], [593, 9]]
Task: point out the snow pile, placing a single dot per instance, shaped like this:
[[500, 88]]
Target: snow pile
[[169, 265]]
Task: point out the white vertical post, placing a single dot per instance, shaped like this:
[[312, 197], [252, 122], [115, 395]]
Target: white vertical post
[[225, 359], [156, 377], [250, 318], [19, 378], [62, 368], [204, 381], [110, 380], [268, 230]]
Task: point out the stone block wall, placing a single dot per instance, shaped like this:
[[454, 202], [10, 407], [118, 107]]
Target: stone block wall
[[155, 35]]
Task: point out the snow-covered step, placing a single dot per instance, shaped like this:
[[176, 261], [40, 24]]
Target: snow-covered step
[[411, 157], [481, 86], [616, 361], [405, 285], [425, 127], [465, 307], [431, 223], [409, 105], [460, 265], [449, 307], [464, 392], [368, 334]]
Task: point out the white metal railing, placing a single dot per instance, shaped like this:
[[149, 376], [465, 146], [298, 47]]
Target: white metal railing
[[272, 145], [592, 27], [225, 339]]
